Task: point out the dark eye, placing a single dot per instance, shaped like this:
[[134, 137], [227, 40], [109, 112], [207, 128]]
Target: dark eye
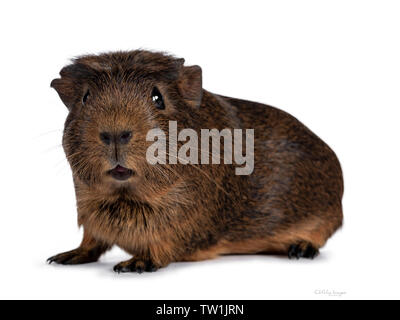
[[157, 99], [85, 97]]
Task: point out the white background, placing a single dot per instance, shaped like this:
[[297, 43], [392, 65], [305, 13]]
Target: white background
[[335, 65]]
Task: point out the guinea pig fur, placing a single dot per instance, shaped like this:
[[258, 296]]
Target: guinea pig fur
[[161, 213]]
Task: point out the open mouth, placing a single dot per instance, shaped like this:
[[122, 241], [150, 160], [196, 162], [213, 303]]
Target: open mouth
[[121, 173]]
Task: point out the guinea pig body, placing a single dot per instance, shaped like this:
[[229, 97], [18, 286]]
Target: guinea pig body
[[162, 213]]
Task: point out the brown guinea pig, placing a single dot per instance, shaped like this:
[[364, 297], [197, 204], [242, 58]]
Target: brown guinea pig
[[289, 202]]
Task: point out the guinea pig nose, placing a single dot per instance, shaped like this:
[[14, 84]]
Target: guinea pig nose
[[106, 137], [125, 137]]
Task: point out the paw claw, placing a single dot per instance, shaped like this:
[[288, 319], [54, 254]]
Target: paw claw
[[76, 256]]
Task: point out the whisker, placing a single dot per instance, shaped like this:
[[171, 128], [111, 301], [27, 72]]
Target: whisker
[[47, 133], [52, 148]]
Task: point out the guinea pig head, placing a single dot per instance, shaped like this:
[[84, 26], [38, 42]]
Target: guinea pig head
[[113, 101]]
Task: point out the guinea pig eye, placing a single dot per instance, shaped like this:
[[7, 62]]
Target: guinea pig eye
[[85, 97], [157, 99]]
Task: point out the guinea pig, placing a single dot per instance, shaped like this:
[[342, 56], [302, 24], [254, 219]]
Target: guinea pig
[[289, 201]]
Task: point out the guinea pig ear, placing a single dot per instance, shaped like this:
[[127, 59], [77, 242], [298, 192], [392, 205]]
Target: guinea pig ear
[[190, 85], [71, 84], [66, 90]]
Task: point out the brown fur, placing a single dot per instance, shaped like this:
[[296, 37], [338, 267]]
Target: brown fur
[[168, 213]]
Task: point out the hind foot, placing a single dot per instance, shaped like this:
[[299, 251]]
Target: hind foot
[[302, 250]]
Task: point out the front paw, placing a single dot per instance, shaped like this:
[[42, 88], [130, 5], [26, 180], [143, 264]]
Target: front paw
[[136, 265], [77, 256]]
